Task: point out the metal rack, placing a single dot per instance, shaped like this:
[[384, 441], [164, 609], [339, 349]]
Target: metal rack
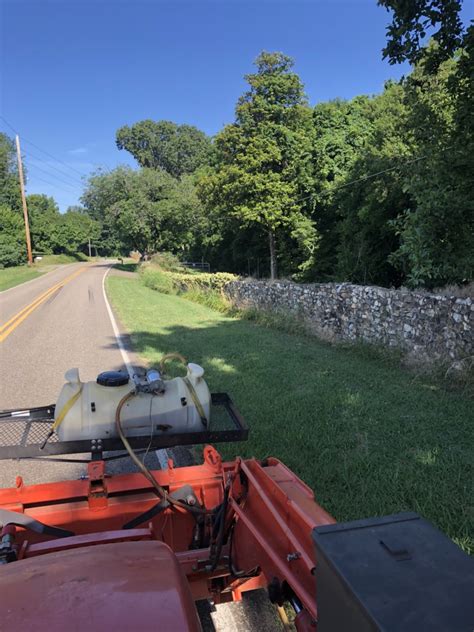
[[23, 432]]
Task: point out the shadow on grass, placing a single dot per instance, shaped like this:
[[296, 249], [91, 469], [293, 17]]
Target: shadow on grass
[[126, 267], [354, 427]]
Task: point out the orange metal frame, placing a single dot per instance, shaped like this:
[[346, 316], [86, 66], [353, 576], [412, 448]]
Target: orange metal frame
[[272, 513]]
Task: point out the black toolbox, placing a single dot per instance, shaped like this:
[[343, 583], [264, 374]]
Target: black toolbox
[[396, 573]]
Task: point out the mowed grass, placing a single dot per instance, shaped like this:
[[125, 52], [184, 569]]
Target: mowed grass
[[9, 277], [368, 437]]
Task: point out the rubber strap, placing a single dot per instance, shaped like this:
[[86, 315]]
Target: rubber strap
[[195, 398], [66, 408]]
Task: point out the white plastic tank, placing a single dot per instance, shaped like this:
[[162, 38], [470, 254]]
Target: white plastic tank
[[92, 415]]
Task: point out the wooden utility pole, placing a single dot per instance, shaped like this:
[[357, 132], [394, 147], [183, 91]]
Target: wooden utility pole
[[23, 200], [90, 247]]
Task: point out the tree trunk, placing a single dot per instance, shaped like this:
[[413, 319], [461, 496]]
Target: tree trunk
[[273, 260]]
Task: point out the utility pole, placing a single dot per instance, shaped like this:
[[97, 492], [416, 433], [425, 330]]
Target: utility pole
[[23, 200], [89, 246]]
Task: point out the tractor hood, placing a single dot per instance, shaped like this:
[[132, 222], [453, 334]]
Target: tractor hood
[[124, 586]]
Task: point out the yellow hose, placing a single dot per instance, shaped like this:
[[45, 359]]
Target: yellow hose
[[162, 493]]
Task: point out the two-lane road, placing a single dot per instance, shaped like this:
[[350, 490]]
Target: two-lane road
[[47, 326]]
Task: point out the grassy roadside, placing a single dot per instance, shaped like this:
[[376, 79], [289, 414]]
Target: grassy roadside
[[9, 277], [366, 436]]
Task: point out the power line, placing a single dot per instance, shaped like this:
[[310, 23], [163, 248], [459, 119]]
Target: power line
[[53, 184], [50, 166], [53, 175], [41, 150], [369, 176]]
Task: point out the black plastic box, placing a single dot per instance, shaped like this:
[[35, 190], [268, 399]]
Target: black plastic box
[[396, 573]]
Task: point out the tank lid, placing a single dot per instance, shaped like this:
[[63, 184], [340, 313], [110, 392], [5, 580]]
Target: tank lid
[[112, 378]]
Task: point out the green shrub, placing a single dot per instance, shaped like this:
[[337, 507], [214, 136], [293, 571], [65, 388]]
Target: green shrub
[[167, 261], [211, 298], [157, 279], [204, 281], [169, 282], [10, 253]]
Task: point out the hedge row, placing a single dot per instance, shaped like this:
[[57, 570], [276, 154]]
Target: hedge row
[[181, 282]]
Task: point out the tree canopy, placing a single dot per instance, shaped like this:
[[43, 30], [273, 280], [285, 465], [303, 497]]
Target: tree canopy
[[177, 149], [146, 210], [263, 164], [414, 20]]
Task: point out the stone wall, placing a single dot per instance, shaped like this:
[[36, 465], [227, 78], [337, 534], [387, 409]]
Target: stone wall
[[427, 326]]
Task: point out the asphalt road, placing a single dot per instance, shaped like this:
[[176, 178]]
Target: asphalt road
[[49, 325]]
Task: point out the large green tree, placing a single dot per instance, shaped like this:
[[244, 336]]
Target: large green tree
[[44, 222], [12, 228], [177, 149], [145, 210], [9, 184], [342, 133], [12, 237], [74, 230], [263, 160], [414, 20], [437, 232], [372, 194]]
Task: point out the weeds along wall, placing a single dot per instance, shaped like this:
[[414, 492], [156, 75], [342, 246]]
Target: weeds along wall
[[426, 326]]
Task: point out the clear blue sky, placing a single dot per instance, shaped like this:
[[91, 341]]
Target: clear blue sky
[[73, 71]]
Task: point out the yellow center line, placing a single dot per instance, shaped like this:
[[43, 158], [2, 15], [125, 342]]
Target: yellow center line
[[7, 328]]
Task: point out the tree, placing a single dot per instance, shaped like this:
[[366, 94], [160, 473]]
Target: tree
[[44, 222], [342, 132], [9, 183], [145, 210], [413, 20], [373, 194], [263, 164], [12, 237], [437, 233], [177, 149], [74, 231]]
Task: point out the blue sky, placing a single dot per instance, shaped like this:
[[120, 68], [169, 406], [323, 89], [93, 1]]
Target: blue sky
[[72, 71]]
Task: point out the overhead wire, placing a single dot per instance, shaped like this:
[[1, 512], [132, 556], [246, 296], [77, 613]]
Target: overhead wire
[[365, 178], [52, 166], [31, 165], [65, 164], [53, 184], [26, 140]]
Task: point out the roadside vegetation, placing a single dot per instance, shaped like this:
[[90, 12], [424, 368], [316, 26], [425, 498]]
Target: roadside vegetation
[[368, 437], [11, 276]]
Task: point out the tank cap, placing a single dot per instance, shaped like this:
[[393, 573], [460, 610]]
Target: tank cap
[[112, 378]]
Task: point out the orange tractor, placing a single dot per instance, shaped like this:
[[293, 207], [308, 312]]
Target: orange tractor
[[136, 551]]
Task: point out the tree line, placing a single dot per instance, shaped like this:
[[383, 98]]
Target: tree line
[[374, 190]]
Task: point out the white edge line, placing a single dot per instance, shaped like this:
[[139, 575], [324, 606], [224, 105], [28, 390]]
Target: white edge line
[[118, 337], [161, 455], [41, 276]]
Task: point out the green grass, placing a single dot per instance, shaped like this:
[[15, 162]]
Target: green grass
[[48, 260], [9, 277], [130, 266], [363, 433]]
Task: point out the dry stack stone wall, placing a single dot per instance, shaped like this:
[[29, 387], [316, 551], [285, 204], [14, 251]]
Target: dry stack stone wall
[[427, 326]]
